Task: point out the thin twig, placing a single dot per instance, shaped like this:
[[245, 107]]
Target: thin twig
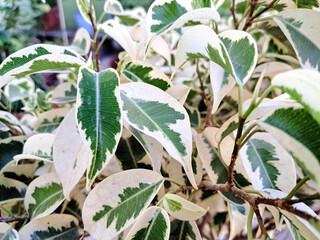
[[13, 219], [260, 222], [95, 36], [233, 13], [202, 93]]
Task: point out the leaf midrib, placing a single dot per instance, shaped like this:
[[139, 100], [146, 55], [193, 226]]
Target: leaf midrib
[[61, 234], [158, 211]]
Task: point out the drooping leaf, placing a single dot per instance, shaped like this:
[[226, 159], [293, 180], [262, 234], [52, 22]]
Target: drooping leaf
[[43, 195], [268, 164], [99, 116], [187, 230], [301, 28], [49, 121], [54, 226], [9, 148], [154, 223], [157, 114], [181, 208], [81, 41], [11, 189], [164, 16], [64, 93], [36, 58], [303, 86], [84, 8], [7, 232], [70, 157], [238, 219], [299, 133], [120, 35], [38, 147], [147, 73], [116, 202]]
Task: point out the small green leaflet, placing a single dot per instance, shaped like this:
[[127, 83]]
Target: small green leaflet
[[54, 226], [303, 86], [301, 28], [99, 116], [299, 133], [169, 124], [11, 189], [181, 208], [153, 224], [116, 202], [187, 230], [307, 3], [147, 73], [166, 15], [7, 232], [84, 8], [268, 164], [36, 58], [43, 195]]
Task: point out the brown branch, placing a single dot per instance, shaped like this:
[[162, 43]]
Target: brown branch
[[232, 10], [255, 200], [202, 93], [95, 37], [252, 17], [208, 115], [13, 219], [260, 222]]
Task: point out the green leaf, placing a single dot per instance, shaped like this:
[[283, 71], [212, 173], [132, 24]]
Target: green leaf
[[84, 8], [303, 86], [36, 58], [301, 28], [7, 232], [11, 189], [147, 73], [299, 133], [187, 230], [154, 224], [9, 148], [268, 164], [181, 208], [157, 114], [54, 226], [116, 202], [307, 3], [43, 195], [99, 116], [164, 16]]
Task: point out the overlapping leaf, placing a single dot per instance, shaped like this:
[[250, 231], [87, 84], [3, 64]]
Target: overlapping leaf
[[154, 223], [37, 58], [81, 41], [55, 226], [301, 28], [43, 195], [9, 148], [99, 116], [49, 121], [116, 202], [157, 114], [11, 189], [299, 133], [7, 232], [187, 230]]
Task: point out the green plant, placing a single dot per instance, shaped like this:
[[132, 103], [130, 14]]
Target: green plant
[[183, 126]]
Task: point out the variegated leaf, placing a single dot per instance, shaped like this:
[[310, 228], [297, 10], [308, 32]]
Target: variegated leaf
[[20, 172], [303, 86], [310, 4], [180, 92], [8, 118], [152, 147], [187, 230], [301, 28], [64, 93], [216, 167], [299, 133], [147, 73], [116, 202], [166, 15], [271, 69], [120, 35], [81, 41], [7, 232], [238, 219], [3, 127], [268, 164], [70, 156], [55, 226], [38, 147], [154, 223], [182, 209], [305, 228], [169, 124], [43, 196], [37, 58], [49, 121], [19, 89], [11, 190], [113, 7], [84, 8], [131, 154], [234, 50], [99, 116], [10, 147]]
